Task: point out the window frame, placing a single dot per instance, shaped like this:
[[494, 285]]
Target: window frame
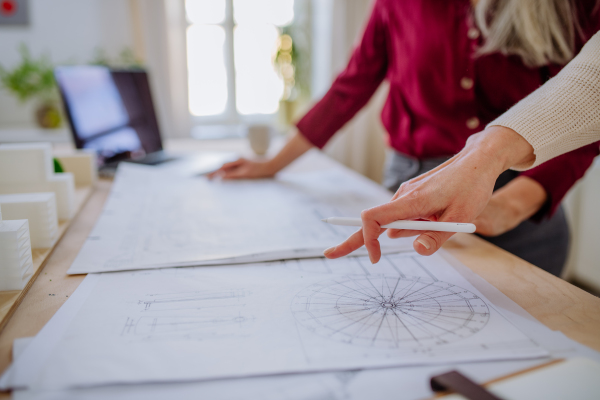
[[230, 116]]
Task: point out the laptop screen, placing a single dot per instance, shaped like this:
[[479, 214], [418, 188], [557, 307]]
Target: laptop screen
[[109, 111]]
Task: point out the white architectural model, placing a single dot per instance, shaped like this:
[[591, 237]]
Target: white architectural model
[[28, 168], [82, 164], [39, 209], [16, 265]]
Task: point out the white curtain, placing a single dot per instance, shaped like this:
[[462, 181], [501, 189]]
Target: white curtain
[[159, 37], [360, 144]]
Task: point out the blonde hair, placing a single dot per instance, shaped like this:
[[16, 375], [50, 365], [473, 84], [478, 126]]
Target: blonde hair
[[539, 31]]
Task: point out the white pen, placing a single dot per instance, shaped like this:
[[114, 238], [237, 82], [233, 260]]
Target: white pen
[[412, 225]]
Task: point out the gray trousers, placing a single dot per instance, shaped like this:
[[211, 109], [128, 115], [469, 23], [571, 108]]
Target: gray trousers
[[544, 244]]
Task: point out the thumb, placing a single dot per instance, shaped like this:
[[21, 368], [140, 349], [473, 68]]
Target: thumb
[[430, 241]]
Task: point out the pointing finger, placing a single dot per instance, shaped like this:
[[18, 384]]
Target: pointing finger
[[371, 232], [354, 242]]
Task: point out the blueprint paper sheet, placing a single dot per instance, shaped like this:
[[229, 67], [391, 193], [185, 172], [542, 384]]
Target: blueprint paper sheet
[[382, 384], [155, 219], [282, 317]]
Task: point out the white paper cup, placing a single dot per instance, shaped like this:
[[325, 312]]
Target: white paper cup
[[259, 137]]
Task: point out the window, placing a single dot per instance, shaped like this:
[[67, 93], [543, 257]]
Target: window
[[230, 51]]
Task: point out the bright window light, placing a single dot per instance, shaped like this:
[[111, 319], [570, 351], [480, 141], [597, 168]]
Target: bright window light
[[205, 11], [207, 76], [251, 33], [258, 87], [276, 12]]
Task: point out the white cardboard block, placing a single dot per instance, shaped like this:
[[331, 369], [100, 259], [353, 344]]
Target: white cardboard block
[[39, 209], [25, 163], [82, 165], [28, 168], [62, 185], [16, 263]]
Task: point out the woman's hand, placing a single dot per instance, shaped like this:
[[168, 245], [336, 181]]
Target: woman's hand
[[244, 169], [248, 169], [509, 206], [456, 191]]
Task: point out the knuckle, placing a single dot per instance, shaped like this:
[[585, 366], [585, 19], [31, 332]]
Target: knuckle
[[366, 214], [415, 194], [403, 187]]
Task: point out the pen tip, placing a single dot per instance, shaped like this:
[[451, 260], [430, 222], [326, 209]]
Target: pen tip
[[324, 220]]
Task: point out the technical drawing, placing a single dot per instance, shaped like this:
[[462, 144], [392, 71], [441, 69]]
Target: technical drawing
[[390, 312], [277, 321], [193, 300], [166, 325], [195, 315], [190, 327], [172, 221]]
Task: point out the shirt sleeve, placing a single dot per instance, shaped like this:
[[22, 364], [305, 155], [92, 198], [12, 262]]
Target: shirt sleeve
[[353, 87], [557, 176], [564, 113]]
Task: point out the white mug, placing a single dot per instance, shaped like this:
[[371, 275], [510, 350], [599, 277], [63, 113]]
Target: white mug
[[259, 137]]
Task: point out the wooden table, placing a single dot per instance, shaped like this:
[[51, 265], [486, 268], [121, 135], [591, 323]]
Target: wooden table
[[554, 302]]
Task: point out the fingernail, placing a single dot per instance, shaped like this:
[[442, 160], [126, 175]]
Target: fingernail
[[329, 251], [372, 259], [424, 243]]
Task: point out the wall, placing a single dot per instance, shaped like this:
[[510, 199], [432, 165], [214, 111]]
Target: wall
[[69, 31], [581, 205]]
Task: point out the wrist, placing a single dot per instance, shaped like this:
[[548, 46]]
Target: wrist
[[270, 167], [479, 154], [523, 197], [503, 146]]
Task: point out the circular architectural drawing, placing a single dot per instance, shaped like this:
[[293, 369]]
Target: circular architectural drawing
[[390, 312]]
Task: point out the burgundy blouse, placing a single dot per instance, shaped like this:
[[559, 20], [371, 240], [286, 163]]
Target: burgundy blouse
[[440, 91]]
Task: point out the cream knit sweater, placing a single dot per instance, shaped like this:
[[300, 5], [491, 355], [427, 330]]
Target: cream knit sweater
[[564, 113]]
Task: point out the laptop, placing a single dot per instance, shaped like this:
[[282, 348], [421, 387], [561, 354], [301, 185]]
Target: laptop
[[110, 111]]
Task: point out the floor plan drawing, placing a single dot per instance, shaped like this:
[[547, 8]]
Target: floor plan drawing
[[303, 315]]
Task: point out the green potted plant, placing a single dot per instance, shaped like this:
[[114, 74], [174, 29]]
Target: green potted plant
[[34, 79]]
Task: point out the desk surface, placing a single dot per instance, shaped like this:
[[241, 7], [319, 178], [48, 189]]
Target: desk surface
[[554, 302]]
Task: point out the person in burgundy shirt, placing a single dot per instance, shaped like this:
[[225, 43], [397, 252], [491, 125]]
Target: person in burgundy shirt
[[441, 92]]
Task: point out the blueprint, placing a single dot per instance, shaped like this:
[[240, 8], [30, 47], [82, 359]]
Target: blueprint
[[382, 384], [306, 315], [154, 219]]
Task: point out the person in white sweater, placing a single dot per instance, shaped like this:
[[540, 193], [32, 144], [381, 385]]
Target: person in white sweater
[[560, 116]]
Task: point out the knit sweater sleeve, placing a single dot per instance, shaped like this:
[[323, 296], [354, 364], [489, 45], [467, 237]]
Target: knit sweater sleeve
[[564, 113]]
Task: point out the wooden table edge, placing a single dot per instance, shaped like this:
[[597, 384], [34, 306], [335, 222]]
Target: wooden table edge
[[8, 302]]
